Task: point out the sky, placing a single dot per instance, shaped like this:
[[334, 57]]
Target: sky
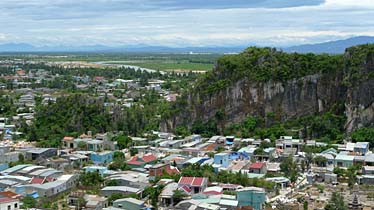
[[181, 23]]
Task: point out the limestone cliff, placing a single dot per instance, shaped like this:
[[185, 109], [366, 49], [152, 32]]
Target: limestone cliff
[[348, 79]]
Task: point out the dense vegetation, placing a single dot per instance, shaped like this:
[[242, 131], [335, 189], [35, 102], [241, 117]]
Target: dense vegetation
[[78, 113], [264, 64]]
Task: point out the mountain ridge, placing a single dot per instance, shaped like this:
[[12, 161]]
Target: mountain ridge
[[331, 47]]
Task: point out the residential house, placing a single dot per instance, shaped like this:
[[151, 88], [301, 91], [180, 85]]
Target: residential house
[[131, 179], [193, 184], [49, 189], [258, 168], [369, 159], [95, 145], [14, 169], [159, 169], [74, 199], [102, 158], [273, 168], [283, 182], [68, 142], [139, 161], [366, 179], [95, 202], [76, 159], [130, 204], [361, 148], [40, 153], [288, 145], [11, 156], [368, 170], [221, 161], [58, 163], [171, 144], [103, 171], [344, 160], [9, 203], [109, 190], [166, 196], [251, 196]]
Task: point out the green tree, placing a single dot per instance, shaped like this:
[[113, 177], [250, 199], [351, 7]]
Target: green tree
[[305, 205], [320, 161], [21, 158], [133, 151], [112, 182], [82, 145], [336, 202], [90, 179], [118, 155], [289, 167], [123, 141], [115, 196], [28, 202], [153, 192], [178, 195], [364, 134]]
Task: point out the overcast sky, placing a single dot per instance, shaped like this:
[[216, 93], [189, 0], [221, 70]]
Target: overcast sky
[[183, 22]]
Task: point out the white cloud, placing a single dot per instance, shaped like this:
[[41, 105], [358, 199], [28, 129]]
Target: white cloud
[[116, 22]]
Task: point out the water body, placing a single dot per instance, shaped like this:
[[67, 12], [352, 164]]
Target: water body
[[108, 63]]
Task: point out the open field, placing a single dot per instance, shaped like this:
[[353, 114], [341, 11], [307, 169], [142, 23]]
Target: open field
[[170, 65], [157, 61]]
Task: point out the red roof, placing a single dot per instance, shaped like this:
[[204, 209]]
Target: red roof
[[149, 158], [50, 179], [10, 194], [7, 200], [171, 170], [36, 180], [186, 189], [257, 165], [198, 181], [212, 193], [186, 180], [97, 78], [68, 138], [135, 160], [192, 181]]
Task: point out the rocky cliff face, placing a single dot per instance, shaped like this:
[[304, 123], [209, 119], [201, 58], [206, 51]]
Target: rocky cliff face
[[311, 94], [359, 98]]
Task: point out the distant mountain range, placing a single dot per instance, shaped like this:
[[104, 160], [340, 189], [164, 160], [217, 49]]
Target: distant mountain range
[[24, 48], [332, 47]]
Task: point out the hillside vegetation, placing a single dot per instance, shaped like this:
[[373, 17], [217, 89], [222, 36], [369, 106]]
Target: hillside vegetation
[[318, 96]]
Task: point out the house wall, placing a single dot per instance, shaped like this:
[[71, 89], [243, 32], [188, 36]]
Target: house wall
[[251, 198], [102, 158], [222, 159], [14, 205], [343, 163], [155, 172], [108, 193]]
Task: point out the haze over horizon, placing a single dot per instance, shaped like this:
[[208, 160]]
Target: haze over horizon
[[179, 24]]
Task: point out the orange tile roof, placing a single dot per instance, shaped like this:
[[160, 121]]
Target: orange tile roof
[[68, 138]]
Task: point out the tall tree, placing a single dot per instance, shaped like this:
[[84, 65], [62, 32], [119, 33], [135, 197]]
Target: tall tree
[[336, 202]]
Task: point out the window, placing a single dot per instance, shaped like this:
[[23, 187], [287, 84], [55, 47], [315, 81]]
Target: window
[[16, 205], [9, 207]]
